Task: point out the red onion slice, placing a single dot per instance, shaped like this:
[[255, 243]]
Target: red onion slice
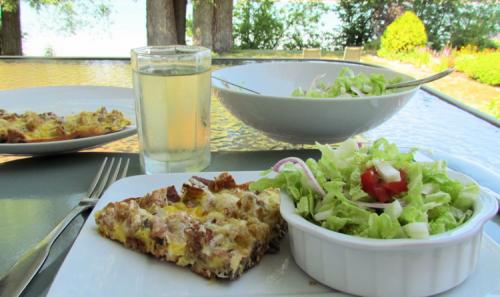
[[310, 176]]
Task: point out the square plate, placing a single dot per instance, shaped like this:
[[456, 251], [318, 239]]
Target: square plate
[[96, 266]]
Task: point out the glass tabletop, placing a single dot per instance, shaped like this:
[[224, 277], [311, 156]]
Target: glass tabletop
[[56, 183]]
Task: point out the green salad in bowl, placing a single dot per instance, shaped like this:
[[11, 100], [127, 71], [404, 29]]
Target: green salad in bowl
[[347, 84], [374, 191]]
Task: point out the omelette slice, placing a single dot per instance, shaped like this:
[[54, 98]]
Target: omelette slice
[[215, 227], [40, 127]]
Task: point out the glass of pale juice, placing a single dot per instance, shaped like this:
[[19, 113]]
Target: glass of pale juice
[[172, 90]]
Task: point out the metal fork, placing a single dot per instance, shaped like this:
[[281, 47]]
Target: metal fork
[[19, 276]]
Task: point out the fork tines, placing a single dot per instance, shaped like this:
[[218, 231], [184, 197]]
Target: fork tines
[[107, 175]]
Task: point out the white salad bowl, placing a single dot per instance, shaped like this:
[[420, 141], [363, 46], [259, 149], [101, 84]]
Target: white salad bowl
[[298, 119], [389, 267]]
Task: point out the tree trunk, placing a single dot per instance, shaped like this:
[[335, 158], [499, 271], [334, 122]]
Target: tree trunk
[[160, 22], [223, 26], [10, 32], [203, 13], [180, 20]]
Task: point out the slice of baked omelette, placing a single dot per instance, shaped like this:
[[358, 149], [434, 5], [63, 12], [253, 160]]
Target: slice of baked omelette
[[41, 127], [217, 228]]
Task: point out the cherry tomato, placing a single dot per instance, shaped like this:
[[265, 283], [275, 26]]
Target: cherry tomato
[[397, 187], [369, 180], [382, 194], [372, 184]]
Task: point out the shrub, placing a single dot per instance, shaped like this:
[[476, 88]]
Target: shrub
[[443, 60], [482, 66], [469, 49], [405, 34]]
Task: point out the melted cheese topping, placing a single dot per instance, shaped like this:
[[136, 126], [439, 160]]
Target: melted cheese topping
[[216, 230], [33, 127]]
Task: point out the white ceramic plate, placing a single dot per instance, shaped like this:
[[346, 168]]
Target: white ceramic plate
[[66, 100], [96, 266]]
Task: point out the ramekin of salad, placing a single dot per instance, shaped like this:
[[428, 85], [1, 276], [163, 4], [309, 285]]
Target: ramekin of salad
[[370, 220]]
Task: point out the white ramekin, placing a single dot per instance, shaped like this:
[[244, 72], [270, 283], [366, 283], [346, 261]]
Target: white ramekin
[[389, 267]]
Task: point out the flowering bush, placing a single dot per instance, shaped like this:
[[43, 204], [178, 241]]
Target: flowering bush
[[444, 59]]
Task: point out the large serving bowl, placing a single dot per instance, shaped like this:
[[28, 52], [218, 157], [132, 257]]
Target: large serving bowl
[[389, 267], [299, 119]]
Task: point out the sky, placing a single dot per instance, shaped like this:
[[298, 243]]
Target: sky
[[126, 30]]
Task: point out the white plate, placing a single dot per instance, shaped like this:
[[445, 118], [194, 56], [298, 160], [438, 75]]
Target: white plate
[[96, 266], [67, 100]]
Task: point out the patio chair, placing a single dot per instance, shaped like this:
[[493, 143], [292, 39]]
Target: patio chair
[[311, 53], [352, 53]]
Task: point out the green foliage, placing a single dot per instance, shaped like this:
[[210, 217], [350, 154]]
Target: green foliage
[[356, 25], [457, 22], [260, 24], [475, 23], [67, 16], [482, 66], [70, 14], [264, 25], [7, 5], [189, 27], [447, 22], [363, 21], [437, 16], [302, 25], [296, 26], [405, 34], [256, 25]]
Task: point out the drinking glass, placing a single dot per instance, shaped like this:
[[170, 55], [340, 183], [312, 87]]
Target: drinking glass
[[172, 90]]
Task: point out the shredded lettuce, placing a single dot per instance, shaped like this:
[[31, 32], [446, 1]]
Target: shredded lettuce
[[347, 84], [434, 203]]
